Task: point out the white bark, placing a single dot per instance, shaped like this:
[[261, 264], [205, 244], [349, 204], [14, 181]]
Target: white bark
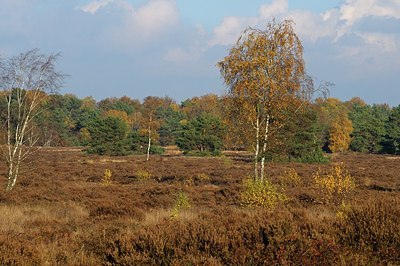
[[149, 135], [148, 149], [257, 148], [266, 132]]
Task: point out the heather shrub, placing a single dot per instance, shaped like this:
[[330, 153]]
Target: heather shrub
[[373, 230]]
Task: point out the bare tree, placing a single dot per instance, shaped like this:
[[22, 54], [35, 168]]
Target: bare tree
[[25, 81]]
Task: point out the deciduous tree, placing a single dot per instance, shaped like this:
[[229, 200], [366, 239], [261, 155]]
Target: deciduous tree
[[24, 80], [333, 115], [150, 123], [264, 72]]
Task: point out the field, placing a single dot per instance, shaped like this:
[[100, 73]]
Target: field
[[61, 213]]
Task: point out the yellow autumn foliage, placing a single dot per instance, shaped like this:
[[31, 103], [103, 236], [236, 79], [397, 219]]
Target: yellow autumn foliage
[[335, 185]]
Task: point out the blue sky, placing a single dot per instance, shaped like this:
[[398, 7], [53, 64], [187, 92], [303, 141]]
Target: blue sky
[[137, 48]]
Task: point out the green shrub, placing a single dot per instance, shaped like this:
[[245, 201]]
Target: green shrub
[[154, 149], [317, 156]]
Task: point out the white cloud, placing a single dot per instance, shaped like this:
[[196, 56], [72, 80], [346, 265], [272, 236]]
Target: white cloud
[[383, 43], [311, 26], [231, 27], [135, 26], [92, 7], [178, 55], [355, 10], [192, 51], [275, 8], [229, 30], [154, 17], [333, 23]]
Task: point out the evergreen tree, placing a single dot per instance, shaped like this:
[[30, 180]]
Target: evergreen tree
[[392, 142], [302, 138], [201, 135], [369, 127], [109, 137]]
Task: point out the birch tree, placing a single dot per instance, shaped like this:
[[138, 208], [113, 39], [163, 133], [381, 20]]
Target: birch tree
[[150, 122], [25, 81], [264, 73]]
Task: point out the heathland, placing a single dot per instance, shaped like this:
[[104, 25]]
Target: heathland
[[176, 210]]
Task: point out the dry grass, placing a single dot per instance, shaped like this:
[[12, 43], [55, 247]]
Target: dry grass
[[61, 214]]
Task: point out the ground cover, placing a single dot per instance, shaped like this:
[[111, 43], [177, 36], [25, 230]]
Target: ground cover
[[176, 210]]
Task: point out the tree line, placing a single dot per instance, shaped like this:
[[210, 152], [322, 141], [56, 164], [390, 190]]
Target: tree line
[[204, 126]]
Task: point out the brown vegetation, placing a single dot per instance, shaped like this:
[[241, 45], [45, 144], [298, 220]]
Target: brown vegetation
[[60, 213]]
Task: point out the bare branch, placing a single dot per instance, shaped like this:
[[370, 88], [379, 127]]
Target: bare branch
[[25, 80]]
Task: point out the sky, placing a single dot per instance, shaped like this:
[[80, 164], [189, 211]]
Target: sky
[[138, 48]]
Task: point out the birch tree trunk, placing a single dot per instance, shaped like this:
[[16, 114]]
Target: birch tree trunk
[[257, 148], [148, 147], [264, 150], [149, 136]]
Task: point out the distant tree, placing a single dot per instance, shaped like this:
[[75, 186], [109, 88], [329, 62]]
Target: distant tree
[[201, 135], [171, 118], [89, 102], [333, 115], [339, 134], [264, 72], [392, 140], [24, 80], [355, 101], [236, 136], [196, 106], [150, 124], [369, 127], [119, 114], [121, 104], [108, 136], [301, 139]]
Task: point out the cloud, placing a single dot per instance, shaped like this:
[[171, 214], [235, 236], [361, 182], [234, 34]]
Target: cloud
[[275, 8], [231, 27], [146, 25], [355, 10], [92, 7], [383, 43], [155, 16], [129, 27], [333, 23], [190, 51], [229, 30]]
